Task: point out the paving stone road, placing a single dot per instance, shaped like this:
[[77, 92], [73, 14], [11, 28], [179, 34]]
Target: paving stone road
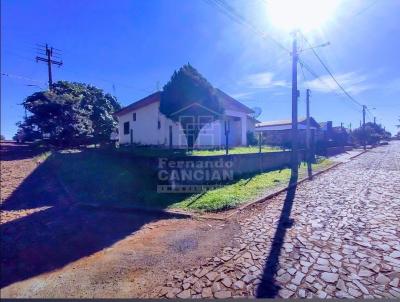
[[342, 240]]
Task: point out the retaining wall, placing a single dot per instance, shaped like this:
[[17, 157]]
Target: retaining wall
[[210, 169]]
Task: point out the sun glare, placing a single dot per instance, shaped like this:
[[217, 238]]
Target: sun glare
[[305, 15]]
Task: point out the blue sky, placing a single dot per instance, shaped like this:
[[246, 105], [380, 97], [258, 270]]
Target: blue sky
[[128, 48]]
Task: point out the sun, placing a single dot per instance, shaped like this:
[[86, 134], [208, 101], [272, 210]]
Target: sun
[[304, 15]]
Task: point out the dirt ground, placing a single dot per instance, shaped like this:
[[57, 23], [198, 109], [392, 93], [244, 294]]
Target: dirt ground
[[52, 248]]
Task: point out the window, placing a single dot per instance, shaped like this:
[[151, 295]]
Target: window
[[159, 125], [126, 128], [134, 116]]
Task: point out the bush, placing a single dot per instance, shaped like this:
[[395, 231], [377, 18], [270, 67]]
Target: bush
[[252, 139]]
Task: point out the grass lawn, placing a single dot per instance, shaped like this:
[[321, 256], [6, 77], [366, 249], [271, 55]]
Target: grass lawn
[[237, 150], [160, 152], [243, 190], [95, 178]]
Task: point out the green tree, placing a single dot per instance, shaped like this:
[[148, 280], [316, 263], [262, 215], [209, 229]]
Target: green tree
[[373, 134], [2, 138], [188, 96], [71, 113]]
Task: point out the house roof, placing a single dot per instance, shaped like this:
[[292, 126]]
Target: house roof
[[301, 120], [227, 102], [152, 98]]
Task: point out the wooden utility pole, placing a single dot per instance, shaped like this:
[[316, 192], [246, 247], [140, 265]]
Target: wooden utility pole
[[363, 125], [259, 141], [308, 136], [374, 120], [48, 59], [295, 95]]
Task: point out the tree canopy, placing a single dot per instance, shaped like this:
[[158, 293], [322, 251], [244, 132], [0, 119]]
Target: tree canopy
[[71, 113], [373, 134], [188, 96]]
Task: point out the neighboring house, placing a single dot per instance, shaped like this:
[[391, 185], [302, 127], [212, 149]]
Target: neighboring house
[[143, 123], [279, 133], [334, 136]]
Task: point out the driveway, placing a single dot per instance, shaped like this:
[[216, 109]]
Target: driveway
[[336, 236], [51, 248]]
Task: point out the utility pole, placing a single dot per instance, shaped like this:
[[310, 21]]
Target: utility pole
[[48, 59], [364, 134], [374, 120], [295, 95], [308, 154]]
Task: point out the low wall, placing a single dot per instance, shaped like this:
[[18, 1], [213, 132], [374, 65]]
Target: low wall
[[214, 169], [221, 168], [332, 151]]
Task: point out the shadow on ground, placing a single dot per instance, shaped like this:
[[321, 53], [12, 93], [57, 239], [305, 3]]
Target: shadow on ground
[[268, 288], [14, 151], [62, 233]]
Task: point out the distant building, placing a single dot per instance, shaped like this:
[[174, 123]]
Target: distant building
[[334, 136], [279, 133]]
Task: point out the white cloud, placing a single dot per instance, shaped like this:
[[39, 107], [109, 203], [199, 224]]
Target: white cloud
[[263, 80], [352, 82]]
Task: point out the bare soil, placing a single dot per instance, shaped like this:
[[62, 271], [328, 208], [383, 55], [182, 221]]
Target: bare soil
[[52, 248]]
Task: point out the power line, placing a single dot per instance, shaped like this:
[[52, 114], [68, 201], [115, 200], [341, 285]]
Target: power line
[[331, 74], [366, 8], [334, 79], [19, 77], [318, 77], [231, 13], [74, 72]]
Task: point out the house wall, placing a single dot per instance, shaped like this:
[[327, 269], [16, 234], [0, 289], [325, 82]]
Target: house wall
[[145, 129], [242, 132]]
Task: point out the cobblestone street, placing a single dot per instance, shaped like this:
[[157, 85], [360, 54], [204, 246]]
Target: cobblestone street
[[338, 236]]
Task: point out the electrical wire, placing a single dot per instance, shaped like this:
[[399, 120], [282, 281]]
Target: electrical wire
[[231, 13], [330, 73]]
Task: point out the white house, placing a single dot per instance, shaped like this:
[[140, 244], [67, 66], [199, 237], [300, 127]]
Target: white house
[[143, 123]]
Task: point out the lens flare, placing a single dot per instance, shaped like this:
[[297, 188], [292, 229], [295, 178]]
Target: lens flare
[[304, 15]]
